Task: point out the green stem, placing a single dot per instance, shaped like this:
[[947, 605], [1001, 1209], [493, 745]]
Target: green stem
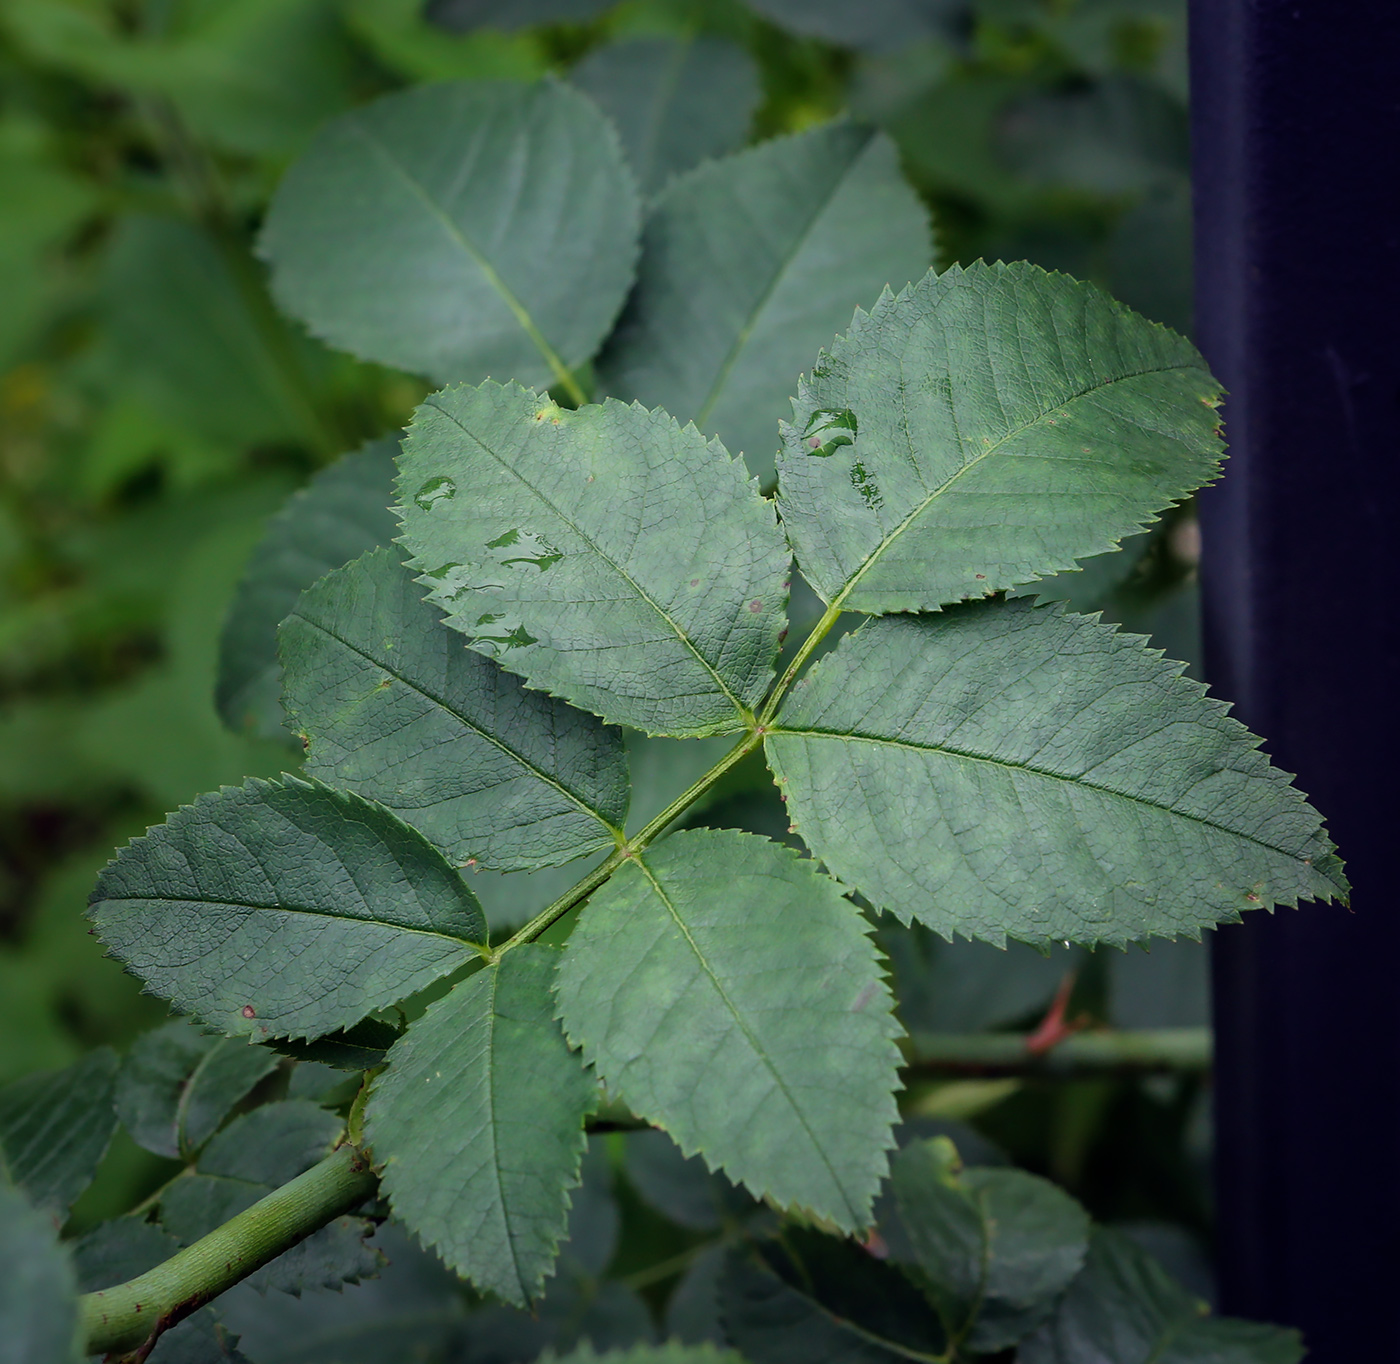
[[133, 1313], [819, 633], [1103, 1052], [629, 848]]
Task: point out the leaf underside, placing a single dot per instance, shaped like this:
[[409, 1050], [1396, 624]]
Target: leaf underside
[[749, 265], [178, 1084], [729, 994], [479, 1123], [342, 512], [285, 909], [1005, 770], [397, 710], [607, 555], [459, 230], [987, 427]]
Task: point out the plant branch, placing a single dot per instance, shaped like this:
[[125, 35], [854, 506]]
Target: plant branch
[[132, 1314], [819, 633], [628, 848], [1103, 1052]]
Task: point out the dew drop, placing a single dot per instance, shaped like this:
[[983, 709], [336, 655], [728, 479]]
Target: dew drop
[[435, 490]]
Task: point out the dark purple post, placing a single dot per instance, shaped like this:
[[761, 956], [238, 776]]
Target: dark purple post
[[1296, 114]]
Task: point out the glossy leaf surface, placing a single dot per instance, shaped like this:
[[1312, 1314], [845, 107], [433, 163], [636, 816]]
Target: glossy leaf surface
[[54, 1129], [1006, 770], [749, 265], [340, 514], [396, 709], [675, 101], [987, 427], [392, 237], [996, 1247], [285, 909], [479, 1123], [728, 993], [607, 555], [178, 1084]]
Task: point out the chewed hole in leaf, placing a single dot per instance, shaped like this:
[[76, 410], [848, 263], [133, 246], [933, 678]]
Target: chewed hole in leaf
[[828, 429], [524, 547], [435, 490]]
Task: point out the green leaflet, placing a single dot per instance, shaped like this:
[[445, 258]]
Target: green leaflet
[[395, 709], [54, 1129], [1007, 770], [285, 909], [178, 1084], [880, 25], [459, 230], [38, 1291], [727, 992], [996, 424], [254, 1154], [1124, 1307], [607, 555], [340, 514], [479, 1123], [996, 1247], [749, 265], [675, 101]]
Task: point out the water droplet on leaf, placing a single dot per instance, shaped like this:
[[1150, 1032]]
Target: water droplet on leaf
[[435, 490]]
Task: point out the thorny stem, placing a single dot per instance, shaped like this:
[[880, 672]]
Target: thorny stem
[[132, 1315]]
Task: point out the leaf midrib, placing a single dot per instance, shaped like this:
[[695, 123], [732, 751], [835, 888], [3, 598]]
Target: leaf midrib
[[454, 231], [743, 1026], [589, 540], [1045, 773], [285, 909], [519, 758], [745, 333], [977, 459]]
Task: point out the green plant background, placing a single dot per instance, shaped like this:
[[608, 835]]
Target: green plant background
[[155, 409]]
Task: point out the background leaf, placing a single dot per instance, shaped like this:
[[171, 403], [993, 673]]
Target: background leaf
[[255, 1154], [391, 240], [479, 1123], [675, 101], [178, 1084], [728, 993], [1124, 1307], [751, 263], [607, 555], [396, 709], [993, 424], [340, 514], [54, 1129], [214, 352], [825, 1301], [462, 15], [38, 1292], [995, 1247], [874, 24], [285, 909], [1007, 770]]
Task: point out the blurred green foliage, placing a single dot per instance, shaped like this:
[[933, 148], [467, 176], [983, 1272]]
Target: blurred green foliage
[[155, 409]]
